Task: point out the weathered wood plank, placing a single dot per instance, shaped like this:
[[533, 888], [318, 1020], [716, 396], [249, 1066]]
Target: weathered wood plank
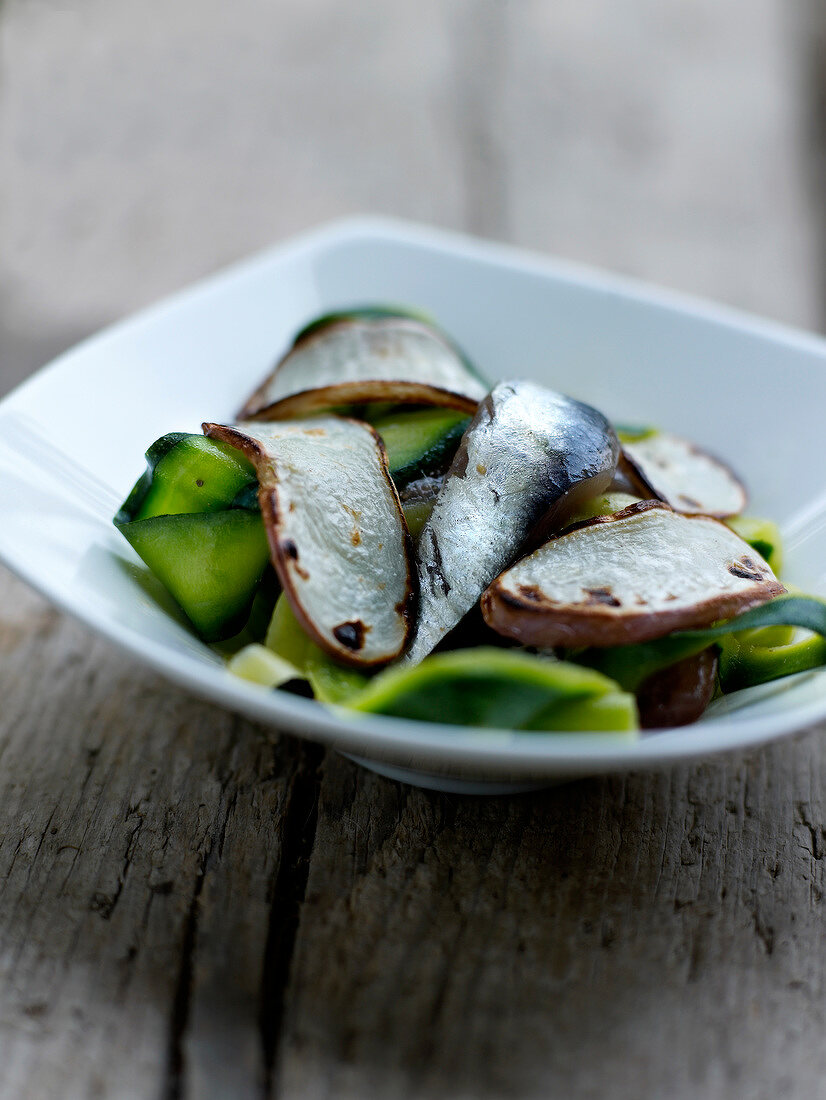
[[660, 933], [246, 920], [141, 836]]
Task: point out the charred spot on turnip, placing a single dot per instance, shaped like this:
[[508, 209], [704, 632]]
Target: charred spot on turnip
[[351, 634], [748, 569], [603, 596]]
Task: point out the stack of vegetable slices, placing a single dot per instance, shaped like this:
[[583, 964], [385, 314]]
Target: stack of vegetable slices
[[386, 531]]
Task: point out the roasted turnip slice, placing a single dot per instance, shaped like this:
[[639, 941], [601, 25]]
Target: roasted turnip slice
[[336, 534], [527, 456], [363, 360], [678, 695], [683, 476], [630, 577]]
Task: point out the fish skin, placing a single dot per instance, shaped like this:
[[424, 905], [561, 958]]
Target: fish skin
[[521, 455]]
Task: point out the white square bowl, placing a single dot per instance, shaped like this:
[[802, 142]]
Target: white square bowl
[[72, 440]]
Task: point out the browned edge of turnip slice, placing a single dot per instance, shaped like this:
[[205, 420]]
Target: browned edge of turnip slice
[[337, 536], [358, 361], [683, 475], [310, 402], [629, 577]]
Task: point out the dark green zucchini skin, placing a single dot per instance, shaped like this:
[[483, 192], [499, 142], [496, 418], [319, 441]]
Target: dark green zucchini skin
[[211, 562], [186, 473], [420, 443], [193, 518], [360, 313]]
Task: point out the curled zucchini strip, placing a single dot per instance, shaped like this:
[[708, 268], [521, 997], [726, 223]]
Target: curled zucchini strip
[[336, 533], [359, 360], [190, 519], [746, 663], [631, 665], [289, 654], [420, 443], [502, 689], [211, 563], [186, 473]]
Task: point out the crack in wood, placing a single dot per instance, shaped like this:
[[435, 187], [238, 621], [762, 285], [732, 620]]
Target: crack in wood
[[227, 816], [816, 833], [763, 931], [183, 992], [102, 903], [289, 889]]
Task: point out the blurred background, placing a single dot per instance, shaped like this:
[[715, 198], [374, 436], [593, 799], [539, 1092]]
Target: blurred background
[[143, 145]]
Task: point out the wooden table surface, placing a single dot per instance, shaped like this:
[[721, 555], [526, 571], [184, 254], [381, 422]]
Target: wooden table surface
[[195, 907]]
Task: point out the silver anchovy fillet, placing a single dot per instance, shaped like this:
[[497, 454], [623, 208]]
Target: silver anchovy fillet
[[527, 453]]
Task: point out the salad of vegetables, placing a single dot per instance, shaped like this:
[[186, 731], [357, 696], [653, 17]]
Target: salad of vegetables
[[384, 530]]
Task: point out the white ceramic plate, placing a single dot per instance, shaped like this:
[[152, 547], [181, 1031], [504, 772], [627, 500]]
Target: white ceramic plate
[[72, 441]]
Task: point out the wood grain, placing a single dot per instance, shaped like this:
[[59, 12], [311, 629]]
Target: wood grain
[[145, 901], [639, 936], [193, 907]]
